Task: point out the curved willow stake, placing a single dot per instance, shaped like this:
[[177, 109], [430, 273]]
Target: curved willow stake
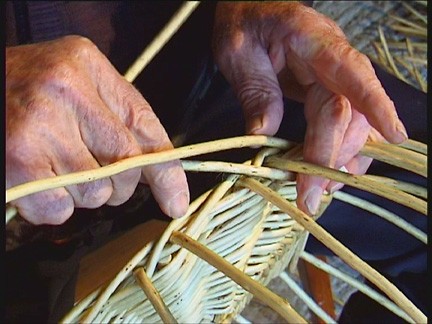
[[373, 294], [161, 39], [383, 213], [344, 253], [310, 302], [410, 188], [153, 296], [277, 303], [236, 168], [359, 182], [108, 290], [397, 156], [143, 160]]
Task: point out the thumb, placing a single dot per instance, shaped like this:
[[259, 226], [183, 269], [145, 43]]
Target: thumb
[[249, 71]]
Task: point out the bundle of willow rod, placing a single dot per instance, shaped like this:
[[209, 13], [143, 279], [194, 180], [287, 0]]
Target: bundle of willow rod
[[241, 234], [405, 54]]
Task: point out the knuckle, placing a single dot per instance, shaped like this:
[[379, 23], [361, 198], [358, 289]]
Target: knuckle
[[94, 194], [61, 70], [80, 45], [58, 74], [123, 145], [124, 185], [52, 209], [337, 109], [150, 132], [20, 150], [167, 175], [257, 91]]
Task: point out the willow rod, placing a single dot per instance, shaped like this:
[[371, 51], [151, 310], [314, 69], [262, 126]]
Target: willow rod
[[161, 39], [309, 301], [360, 182], [383, 213], [237, 168], [410, 188], [160, 157], [359, 285], [344, 253], [397, 156], [140, 161], [277, 303], [388, 55], [423, 18], [153, 296]]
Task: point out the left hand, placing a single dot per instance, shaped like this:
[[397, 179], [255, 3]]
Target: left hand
[[270, 49]]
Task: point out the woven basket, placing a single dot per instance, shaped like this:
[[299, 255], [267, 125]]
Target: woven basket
[[242, 233], [393, 34]]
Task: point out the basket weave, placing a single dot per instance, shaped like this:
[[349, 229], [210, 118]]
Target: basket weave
[[393, 34], [246, 230], [250, 222]]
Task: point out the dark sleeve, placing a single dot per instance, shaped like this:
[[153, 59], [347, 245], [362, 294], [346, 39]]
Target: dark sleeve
[[308, 3]]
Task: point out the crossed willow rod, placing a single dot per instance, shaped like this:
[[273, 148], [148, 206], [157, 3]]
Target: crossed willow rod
[[411, 161], [333, 244], [360, 182]]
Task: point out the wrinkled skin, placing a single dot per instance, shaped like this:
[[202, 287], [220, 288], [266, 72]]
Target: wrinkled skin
[[267, 50], [69, 110]]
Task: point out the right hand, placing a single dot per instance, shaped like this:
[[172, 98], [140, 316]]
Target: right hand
[[270, 49], [68, 110]]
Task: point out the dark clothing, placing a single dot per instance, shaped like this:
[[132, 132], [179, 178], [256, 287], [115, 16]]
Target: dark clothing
[[200, 107]]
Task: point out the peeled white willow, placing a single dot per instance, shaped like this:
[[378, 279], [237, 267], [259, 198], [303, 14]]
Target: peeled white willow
[[356, 181], [154, 296], [280, 305], [143, 160], [161, 39], [387, 303], [383, 213], [313, 306], [338, 248]]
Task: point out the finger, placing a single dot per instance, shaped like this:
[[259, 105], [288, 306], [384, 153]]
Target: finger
[[328, 117], [354, 138], [73, 157], [247, 67], [108, 140], [62, 141], [357, 165], [344, 70], [167, 181], [291, 88], [51, 207], [129, 106]]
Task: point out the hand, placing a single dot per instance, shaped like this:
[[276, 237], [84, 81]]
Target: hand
[[68, 110], [270, 49]]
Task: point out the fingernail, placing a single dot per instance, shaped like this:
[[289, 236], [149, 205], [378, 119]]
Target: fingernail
[[313, 199], [402, 133], [334, 186], [255, 123], [179, 204]]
